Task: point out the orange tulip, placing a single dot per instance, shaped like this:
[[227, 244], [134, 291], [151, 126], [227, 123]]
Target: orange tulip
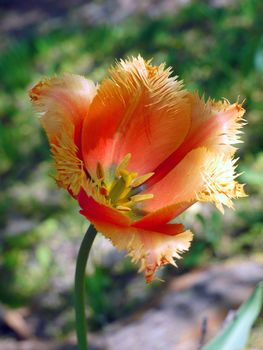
[[138, 150]]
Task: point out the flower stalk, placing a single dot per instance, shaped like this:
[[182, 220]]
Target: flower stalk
[[80, 314]]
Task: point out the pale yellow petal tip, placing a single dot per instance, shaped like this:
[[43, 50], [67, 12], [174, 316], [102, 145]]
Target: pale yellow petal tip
[[148, 248], [71, 84], [35, 92], [224, 103], [227, 120], [70, 172], [165, 254], [219, 181], [127, 76]]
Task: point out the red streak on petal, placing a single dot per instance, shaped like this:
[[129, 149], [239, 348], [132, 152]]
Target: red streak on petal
[[169, 229], [162, 216], [95, 211]]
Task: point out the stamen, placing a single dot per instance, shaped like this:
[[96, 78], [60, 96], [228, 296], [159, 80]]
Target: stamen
[[99, 171], [123, 208], [141, 179], [127, 176], [123, 164], [122, 191], [141, 197]]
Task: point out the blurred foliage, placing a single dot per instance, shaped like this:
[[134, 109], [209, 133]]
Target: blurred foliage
[[218, 50]]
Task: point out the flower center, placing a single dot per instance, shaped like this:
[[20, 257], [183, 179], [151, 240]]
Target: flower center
[[122, 188]]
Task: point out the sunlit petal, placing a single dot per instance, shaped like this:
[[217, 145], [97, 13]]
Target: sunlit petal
[[214, 125], [141, 109], [181, 183], [63, 103]]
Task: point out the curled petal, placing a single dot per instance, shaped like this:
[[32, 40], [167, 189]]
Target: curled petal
[[139, 109], [63, 103], [151, 249]]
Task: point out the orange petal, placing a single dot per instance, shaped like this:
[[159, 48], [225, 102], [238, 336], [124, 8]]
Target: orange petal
[[201, 176], [180, 185], [63, 103], [151, 249], [140, 109], [214, 125]]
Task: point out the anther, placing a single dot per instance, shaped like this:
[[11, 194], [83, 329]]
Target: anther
[[99, 171], [122, 208], [141, 197], [127, 176], [141, 179], [123, 164]]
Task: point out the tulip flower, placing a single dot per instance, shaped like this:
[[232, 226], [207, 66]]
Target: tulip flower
[[136, 151]]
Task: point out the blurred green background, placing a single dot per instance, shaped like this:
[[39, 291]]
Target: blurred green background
[[215, 48]]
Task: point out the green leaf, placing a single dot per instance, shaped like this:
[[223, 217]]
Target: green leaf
[[235, 335]]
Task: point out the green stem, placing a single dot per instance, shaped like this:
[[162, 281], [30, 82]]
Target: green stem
[[82, 258]]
